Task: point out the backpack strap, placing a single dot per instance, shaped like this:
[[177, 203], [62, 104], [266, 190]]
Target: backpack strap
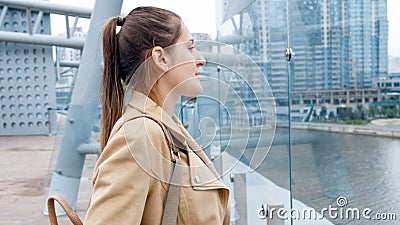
[[170, 213]]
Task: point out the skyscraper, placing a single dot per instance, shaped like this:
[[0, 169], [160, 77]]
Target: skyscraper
[[338, 43]]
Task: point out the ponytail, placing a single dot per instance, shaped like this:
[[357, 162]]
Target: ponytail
[[141, 30], [111, 85]]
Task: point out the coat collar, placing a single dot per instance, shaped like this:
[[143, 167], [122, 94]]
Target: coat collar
[[146, 105]]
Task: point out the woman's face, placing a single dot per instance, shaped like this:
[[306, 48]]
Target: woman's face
[[183, 62]]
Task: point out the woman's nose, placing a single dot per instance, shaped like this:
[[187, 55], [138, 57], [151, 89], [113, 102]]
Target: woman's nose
[[200, 61]]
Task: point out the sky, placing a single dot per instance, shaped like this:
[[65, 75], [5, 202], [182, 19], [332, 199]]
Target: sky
[[199, 16]]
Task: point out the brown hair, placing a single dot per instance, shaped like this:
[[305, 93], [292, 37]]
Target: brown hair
[[141, 30]]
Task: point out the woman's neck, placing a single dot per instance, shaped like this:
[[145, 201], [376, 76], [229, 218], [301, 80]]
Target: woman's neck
[[166, 100], [169, 102]]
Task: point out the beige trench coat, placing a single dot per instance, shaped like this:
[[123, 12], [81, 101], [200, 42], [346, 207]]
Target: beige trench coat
[[130, 177]]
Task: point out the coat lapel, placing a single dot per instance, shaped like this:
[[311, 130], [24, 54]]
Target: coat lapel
[[201, 171]]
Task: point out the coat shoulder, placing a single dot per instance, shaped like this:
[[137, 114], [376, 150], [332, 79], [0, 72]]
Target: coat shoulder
[[143, 129], [139, 135], [144, 135]]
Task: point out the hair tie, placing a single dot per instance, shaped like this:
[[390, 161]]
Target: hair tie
[[120, 21]]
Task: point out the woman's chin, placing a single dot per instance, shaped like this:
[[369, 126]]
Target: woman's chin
[[190, 88], [193, 90]]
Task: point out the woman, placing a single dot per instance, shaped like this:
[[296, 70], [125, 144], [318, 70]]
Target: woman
[[154, 59]]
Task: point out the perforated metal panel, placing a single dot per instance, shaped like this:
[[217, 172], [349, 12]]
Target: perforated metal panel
[[27, 80]]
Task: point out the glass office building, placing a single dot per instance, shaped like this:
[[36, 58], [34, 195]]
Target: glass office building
[[338, 44]]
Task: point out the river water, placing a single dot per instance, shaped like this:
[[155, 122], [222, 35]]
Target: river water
[[363, 169]]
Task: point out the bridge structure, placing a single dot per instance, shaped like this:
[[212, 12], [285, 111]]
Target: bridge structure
[[33, 17]]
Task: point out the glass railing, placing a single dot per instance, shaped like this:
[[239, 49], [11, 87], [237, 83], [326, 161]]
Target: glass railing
[[341, 52], [322, 154]]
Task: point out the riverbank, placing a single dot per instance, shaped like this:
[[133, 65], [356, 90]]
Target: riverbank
[[378, 128], [386, 122]]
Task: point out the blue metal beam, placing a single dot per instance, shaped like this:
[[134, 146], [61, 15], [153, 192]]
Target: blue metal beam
[[48, 7]]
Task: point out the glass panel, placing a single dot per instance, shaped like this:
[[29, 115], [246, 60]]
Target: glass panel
[[241, 118], [343, 167]]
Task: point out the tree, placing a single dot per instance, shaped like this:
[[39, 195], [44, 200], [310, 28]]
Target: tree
[[384, 110], [392, 112], [360, 113], [344, 113], [373, 111], [323, 112], [389, 111], [331, 115]]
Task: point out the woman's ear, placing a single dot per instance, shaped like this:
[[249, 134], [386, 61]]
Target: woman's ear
[[160, 58]]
